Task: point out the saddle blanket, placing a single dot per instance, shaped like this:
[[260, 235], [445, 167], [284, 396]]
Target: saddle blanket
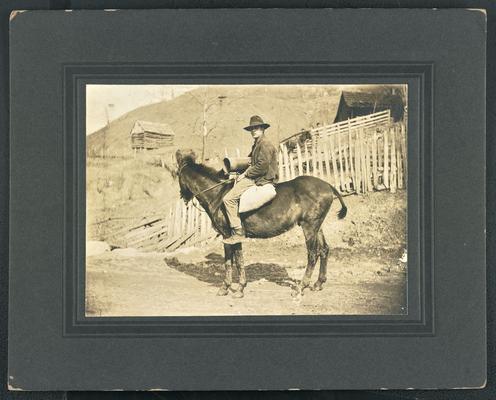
[[256, 196]]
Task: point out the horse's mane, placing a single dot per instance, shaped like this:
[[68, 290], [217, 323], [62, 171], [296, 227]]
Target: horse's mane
[[201, 169], [204, 170]]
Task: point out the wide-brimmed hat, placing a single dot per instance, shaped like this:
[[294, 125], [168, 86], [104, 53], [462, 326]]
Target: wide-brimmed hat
[[256, 122]]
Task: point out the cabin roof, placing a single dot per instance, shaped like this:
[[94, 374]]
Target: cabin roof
[[367, 99], [154, 127]]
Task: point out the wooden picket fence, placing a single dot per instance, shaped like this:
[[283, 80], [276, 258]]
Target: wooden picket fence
[[354, 160], [356, 156]]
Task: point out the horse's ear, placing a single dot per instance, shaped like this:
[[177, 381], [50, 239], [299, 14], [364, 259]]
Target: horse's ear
[[190, 154], [193, 155], [179, 156]]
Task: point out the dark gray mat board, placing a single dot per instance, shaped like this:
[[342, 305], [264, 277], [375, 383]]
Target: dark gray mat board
[[248, 361]]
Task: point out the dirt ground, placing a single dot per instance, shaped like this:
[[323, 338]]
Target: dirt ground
[[366, 272]]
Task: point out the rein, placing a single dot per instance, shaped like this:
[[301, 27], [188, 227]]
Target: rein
[[213, 187], [204, 190]]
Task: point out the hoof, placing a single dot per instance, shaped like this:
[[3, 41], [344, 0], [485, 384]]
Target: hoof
[[222, 291], [238, 294], [317, 286]]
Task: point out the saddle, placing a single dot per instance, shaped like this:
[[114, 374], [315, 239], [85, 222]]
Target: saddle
[[256, 196]]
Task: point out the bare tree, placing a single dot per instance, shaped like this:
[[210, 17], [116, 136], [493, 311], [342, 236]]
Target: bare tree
[[211, 105]]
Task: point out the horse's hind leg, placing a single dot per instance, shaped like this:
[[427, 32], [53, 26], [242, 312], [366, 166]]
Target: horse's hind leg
[[310, 230], [240, 266], [323, 250], [228, 261]]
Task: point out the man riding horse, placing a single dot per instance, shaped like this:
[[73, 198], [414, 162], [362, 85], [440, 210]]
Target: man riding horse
[[303, 201], [263, 169]]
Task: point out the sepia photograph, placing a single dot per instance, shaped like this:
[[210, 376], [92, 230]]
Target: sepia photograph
[[237, 200]]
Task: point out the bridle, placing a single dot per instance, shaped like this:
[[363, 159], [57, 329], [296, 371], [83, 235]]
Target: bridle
[[195, 195]]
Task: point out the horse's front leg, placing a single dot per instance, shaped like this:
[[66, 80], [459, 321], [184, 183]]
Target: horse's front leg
[[240, 266], [228, 262]]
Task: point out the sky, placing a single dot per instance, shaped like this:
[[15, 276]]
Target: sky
[[120, 99], [112, 101]]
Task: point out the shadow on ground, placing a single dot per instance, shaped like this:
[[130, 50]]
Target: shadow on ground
[[212, 270]]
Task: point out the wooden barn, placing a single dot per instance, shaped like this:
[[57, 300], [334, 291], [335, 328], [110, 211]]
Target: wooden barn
[[356, 104], [151, 135]]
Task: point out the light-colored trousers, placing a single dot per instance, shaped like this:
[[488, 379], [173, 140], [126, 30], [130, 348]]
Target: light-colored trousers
[[231, 201]]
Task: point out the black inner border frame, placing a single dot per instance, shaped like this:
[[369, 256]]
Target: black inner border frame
[[420, 317]]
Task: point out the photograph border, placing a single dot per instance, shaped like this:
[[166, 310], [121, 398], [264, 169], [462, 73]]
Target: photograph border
[[420, 310]]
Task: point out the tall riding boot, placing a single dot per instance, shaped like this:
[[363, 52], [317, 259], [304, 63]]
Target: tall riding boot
[[238, 236]]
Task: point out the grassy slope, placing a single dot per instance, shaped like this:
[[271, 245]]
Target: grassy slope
[[125, 189], [287, 110]]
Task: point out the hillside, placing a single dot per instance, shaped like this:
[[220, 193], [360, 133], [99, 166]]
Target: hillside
[[287, 109]]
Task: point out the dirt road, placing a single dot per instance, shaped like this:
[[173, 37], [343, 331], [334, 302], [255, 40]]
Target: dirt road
[[145, 284], [365, 275]]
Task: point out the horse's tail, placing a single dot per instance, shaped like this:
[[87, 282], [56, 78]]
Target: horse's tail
[[344, 209]]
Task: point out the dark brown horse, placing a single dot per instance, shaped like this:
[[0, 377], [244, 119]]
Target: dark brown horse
[[303, 201]]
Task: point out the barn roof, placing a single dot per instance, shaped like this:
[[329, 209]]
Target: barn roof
[[154, 127], [366, 99]]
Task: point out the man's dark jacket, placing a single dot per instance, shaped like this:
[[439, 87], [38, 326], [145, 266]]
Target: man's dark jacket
[[264, 166]]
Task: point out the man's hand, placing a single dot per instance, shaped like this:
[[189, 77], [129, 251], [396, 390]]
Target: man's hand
[[240, 176]]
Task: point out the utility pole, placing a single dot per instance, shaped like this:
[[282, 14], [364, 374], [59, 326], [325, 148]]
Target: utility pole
[[204, 131], [107, 114]]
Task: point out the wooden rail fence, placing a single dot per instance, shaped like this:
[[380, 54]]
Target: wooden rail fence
[[375, 120], [182, 225]]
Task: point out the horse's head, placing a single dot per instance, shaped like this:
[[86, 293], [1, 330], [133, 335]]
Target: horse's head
[[195, 177], [184, 156], [183, 159]]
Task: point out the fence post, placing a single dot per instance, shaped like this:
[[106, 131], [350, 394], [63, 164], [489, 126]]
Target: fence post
[[341, 175], [286, 162], [291, 166], [363, 161], [281, 166], [314, 158], [394, 176], [334, 164], [200, 214], [350, 151], [197, 220], [326, 160], [180, 208], [404, 155], [385, 173], [399, 167], [320, 158], [184, 218], [347, 178], [358, 167], [370, 145], [307, 160], [367, 162], [380, 155], [374, 159], [191, 217], [300, 162]]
